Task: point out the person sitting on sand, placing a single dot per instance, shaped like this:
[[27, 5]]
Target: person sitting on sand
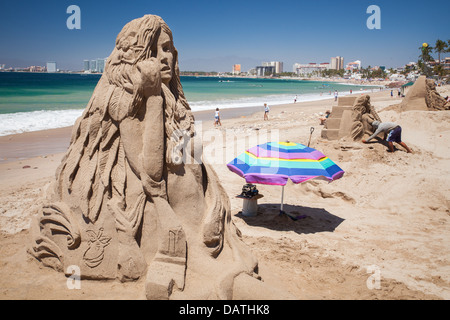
[[217, 118], [392, 133], [323, 119]]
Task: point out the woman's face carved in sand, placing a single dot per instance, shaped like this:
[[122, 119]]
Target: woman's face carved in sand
[[165, 57]]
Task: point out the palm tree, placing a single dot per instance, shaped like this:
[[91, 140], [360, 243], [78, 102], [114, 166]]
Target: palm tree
[[424, 58], [439, 47], [439, 70], [426, 53]]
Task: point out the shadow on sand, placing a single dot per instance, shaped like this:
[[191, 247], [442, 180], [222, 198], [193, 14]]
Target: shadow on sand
[[311, 220]]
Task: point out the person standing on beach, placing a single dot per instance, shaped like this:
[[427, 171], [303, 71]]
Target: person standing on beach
[[335, 95], [392, 133], [217, 118], [266, 111], [295, 99]]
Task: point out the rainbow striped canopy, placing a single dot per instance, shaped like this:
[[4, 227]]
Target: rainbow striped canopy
[[274, 163]]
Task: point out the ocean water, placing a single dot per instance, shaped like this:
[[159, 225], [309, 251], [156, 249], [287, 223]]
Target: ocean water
[[40, 101]]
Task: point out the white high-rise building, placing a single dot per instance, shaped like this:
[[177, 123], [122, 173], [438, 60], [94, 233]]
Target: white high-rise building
[[93, 66], [51, 66], [277, 64], [262, 71], [101, 65], [337, 63]]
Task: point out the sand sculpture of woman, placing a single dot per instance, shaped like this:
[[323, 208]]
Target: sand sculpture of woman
[[124, 205]]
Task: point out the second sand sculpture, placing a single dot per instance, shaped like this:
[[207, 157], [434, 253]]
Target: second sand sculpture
[[124, 204], [352, 117]]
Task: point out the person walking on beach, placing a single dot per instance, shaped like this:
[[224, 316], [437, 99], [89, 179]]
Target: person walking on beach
[[335, 95], [295, 99], [392, 133], [266, 111], [217, 118]]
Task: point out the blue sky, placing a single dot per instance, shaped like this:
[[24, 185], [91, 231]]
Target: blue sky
[[213, 35]]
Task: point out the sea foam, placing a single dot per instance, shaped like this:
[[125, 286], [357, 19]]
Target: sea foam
[[13, 123]]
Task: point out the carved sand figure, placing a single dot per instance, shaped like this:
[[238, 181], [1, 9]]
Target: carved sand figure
[[363, 114], [433, 99], [352, 117], [423, 96], [125, 203]]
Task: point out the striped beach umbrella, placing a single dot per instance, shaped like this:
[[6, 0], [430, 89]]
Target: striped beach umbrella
[[274, 163]]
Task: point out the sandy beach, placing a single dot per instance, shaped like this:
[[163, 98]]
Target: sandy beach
[[380, 232]]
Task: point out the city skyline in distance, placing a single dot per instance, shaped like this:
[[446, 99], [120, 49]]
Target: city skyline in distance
[[213, 36]]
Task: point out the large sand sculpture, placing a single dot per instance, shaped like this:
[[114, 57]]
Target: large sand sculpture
[[125, 204], [423, 96], [352, 117]]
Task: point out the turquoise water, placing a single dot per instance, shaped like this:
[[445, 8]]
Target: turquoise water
[[206, 93], [26, 92], [39, 101]]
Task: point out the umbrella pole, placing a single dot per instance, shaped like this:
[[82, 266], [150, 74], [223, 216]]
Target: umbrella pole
[[282, 198]]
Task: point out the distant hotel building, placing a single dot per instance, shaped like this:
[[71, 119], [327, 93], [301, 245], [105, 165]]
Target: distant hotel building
[[337, 63], [101, 65], [37, 69], [355, 65], [51, 66], [276, 64], [262, 71], [94, 65], [309, 69], [236, 69], [446, 63]]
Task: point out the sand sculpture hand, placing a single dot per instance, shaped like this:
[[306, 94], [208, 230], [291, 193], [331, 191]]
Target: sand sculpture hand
[[146, 76]]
